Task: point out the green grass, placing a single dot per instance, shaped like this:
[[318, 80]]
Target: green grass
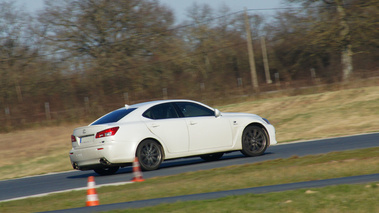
[[343, 198], [279, 171]]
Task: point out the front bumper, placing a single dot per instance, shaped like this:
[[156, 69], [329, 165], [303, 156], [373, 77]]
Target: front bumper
[[272, 134]]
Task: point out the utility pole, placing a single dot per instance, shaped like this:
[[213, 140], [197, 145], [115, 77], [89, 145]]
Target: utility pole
[[254, 80], [265, 60]]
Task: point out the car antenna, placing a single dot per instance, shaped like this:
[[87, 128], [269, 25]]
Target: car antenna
[[126, 106]]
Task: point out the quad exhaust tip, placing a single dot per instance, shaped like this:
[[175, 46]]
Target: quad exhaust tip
[[105, 162], [75, 166]]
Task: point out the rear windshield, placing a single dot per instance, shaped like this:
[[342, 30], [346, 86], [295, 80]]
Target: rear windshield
[[113, 116]]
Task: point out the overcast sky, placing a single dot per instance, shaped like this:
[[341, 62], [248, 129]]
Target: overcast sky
[[180, 6]]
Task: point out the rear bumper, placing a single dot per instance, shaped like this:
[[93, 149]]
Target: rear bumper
[[114, 154]]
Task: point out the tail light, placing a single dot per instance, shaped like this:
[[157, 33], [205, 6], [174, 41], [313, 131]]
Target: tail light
[[73, 138], [107, 132]]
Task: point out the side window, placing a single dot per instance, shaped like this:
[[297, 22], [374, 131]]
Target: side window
[[161, 111], [189, 109]]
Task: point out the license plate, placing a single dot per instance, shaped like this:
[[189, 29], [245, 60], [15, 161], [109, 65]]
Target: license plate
[[86, 139]]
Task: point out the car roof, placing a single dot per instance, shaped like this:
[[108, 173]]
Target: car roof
[[140, 108], [149, 104]]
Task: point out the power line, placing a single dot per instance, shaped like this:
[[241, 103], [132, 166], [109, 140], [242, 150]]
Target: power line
[[175, 28], [164, 31]]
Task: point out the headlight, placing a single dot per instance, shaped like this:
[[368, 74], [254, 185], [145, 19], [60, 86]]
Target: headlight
[[268, 122]]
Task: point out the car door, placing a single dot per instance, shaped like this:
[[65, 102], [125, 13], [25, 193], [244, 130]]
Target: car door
[[164, 122], [206, 131]]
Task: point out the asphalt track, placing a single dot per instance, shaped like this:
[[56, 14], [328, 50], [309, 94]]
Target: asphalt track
[[215, 195], [39, 185]]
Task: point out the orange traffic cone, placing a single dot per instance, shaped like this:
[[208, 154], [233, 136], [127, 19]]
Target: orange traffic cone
[[137, 171], [92, 198]]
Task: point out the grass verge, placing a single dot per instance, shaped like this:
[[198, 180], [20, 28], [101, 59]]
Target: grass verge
[[343, 198], [294, 169]]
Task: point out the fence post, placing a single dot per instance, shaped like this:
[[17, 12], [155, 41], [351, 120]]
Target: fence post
[[239, 82], [313, 73], [202, 90], [47, 110], [165, 95], [7, 116], [19, 94], [277, 80], [86, 104], [313, 76], [126, 97], [7, 112]]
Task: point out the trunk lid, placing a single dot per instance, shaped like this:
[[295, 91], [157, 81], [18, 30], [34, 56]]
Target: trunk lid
[[85, 136]]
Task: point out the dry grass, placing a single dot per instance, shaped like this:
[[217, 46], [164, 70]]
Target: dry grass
[[345, 112], [320, 115], [35, 151]]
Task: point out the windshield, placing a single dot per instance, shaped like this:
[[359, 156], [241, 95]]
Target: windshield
[[113, 116]]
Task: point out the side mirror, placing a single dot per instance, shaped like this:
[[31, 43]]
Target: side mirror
[[217, 113]]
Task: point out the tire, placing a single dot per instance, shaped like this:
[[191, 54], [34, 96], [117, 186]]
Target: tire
[[254, 141], [212, 157], [150, 155], [107, 170]]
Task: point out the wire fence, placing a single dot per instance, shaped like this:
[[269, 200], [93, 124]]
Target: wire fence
[[21, 116]]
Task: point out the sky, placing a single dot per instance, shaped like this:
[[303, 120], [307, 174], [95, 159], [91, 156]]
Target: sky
[[180, 6]]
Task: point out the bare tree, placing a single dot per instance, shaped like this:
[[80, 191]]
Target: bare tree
[[112, 39], [345, 45], [345, 36], [15, 51]]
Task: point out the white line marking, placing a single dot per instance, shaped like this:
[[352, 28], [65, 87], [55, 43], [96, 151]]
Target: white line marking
[[67, 190]]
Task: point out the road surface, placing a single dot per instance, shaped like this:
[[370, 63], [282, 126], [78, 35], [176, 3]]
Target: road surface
[[37, 185]]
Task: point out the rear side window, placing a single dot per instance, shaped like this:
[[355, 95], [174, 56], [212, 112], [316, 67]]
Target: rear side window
[[161, 111], [113, 116]]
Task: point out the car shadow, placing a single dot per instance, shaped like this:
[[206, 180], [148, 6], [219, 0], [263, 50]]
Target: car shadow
[[169, 164], [197, 160]]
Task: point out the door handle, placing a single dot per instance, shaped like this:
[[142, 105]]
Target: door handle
[[193, 122], [154, 125]]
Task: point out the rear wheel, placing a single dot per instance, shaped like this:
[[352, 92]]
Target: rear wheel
[[150, 155], [212, 157], [254, 141], [107, 170]]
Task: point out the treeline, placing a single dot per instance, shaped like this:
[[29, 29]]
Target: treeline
[[77, 58]]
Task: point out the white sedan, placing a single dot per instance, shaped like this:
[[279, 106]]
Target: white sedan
[[161, 130]]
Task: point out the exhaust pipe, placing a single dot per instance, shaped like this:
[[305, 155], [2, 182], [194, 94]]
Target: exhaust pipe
[[105, 162], [75, 166]]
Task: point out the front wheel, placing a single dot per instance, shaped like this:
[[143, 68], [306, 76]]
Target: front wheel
[[107, 170], [254, 141], [150, 155]]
